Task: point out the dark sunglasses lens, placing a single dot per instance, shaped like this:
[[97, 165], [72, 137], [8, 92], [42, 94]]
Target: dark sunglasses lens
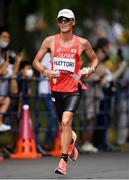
[[61, 19]]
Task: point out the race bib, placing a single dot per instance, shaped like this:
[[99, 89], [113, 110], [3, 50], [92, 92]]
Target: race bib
[[65, 64]]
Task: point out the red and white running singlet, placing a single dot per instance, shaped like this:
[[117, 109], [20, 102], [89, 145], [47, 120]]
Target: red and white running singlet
[[68, 62]]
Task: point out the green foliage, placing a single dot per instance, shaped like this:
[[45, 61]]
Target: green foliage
[[84, 9]]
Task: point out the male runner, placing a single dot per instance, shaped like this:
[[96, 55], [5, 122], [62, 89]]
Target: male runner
[[66, 49]]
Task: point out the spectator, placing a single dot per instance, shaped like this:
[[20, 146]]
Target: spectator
[[44, 92], [4, 73], [123, 129], [120, 78], [21, 84], [94, 138], [101, 140], [91, 103], [20, 90], [4, 104], [7, 69]]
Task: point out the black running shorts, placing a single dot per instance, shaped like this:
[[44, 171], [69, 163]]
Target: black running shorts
[[65, 101]]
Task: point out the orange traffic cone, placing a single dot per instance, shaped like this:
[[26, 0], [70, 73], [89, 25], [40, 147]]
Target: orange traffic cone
[[1, 158], [57, 145], [26, 147]]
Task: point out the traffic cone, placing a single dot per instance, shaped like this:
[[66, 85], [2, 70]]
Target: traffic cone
[[1, 157], [57, 145], [26, 146]]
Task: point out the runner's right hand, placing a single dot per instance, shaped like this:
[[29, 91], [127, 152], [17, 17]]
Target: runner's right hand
[[51, 73]]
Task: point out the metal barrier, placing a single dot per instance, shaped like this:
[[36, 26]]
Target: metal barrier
[[106, 108]]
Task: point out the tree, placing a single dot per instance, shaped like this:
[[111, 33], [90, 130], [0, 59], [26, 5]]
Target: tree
[[84, 9]]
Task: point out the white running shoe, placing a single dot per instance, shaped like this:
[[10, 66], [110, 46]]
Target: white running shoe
[[88, 147], [4, 127]]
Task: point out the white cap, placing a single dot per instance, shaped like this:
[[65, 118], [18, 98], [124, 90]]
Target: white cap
[[66, 13]]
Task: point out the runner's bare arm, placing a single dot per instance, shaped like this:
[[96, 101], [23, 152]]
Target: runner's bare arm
[[91, 54], [86, 47], [41, 53]]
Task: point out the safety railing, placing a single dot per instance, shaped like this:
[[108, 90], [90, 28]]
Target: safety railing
[[107, 107]]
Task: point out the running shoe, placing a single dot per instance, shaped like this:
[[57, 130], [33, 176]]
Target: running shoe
[[89, 148], [62, 167], [74, 155], [73, 152]]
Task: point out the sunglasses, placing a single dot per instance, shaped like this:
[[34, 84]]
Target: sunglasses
[[63, 19]]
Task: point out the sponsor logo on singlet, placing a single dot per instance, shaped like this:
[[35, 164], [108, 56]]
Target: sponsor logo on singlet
[[66, 64], [53, 99], [58, 50]]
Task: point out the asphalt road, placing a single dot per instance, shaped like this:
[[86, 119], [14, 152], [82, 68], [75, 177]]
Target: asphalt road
[[88, 166]]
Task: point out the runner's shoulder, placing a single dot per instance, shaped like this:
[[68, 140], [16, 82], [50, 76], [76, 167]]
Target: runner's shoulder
[[49, 39], [83, 42]]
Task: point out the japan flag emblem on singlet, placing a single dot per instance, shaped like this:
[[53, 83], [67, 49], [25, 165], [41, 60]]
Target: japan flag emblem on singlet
[[73, 50]]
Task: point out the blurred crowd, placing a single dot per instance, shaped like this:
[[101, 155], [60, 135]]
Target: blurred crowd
[[105, 102], [111, 43]]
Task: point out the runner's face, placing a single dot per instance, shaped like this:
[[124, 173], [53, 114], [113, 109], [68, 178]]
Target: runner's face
[[65, 24]]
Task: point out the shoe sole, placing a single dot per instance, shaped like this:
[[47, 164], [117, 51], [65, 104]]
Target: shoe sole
[[57, 171]]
